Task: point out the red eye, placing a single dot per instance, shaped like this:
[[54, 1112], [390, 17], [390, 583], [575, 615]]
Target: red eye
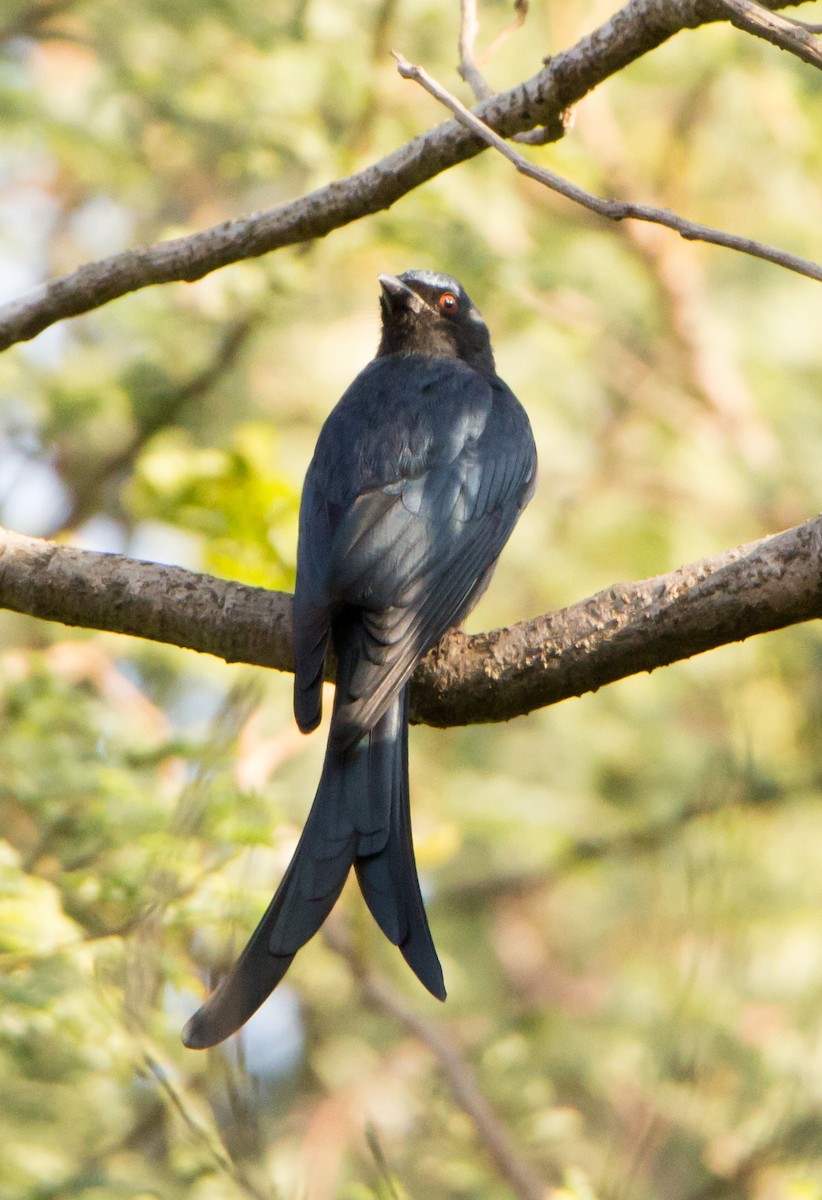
[[448, 303]]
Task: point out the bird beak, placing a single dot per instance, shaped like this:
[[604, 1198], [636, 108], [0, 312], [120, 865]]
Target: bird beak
[[396, 294]]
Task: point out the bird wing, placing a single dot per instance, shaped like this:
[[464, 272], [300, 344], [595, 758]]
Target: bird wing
[[409, 559], [312, 608]]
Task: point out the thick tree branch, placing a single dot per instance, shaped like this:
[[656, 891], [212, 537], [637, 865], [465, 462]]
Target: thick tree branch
[[163, 604], [468, 678], [639, 27], [613, 210]]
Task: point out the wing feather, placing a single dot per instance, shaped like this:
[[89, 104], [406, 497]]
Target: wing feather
[[391, 567]]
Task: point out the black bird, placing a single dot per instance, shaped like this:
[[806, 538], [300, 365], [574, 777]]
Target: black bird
[[419, 475]]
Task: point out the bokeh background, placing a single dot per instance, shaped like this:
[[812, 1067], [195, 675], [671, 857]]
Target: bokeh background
[[626, 890]]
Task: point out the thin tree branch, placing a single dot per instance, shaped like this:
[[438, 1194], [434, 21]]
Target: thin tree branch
[[707, 368], [478, 892], [469, 28], [639, 27], [520, 13], [202, 1129], [29, 21], [792, 36], [473, 76], [468, 678], [468, 69], [462, 1079], [90, 480], [613, 210]]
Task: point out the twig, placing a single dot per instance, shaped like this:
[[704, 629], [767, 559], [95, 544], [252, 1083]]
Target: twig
[[28, 22], [639, 27], [520, 13], [793, 36], [462, 1079], [711, 372], [169, 405], [479, 892], [807, 25], [469, 27], [470, 72], [467, 679], [613, 210], [380, 1161], [204, 1132], [468, 68]]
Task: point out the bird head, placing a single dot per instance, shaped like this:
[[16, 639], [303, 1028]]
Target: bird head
[[427, 313]]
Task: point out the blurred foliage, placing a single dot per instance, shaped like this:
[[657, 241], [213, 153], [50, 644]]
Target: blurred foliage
[[626, 889], [231, 496]]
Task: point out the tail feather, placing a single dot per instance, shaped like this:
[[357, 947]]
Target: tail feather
[[388, 878], [306, 895], [360, 817]]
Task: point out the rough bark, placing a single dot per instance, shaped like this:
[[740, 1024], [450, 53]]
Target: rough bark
[[468, 678]]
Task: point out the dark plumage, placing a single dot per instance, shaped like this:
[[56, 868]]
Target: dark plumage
[[419, 475]]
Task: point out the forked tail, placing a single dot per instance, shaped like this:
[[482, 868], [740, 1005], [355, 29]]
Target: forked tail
[[360, 817]]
